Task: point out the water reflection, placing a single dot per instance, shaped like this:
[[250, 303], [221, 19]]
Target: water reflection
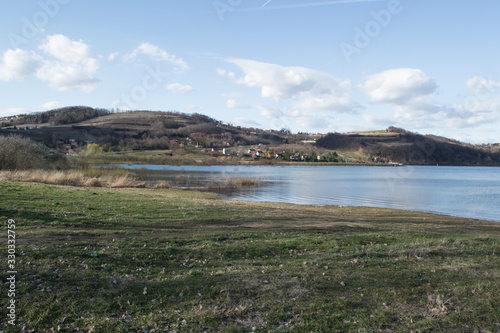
[[462, 191]]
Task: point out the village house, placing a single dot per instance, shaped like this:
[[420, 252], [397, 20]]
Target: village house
[[71, 152]]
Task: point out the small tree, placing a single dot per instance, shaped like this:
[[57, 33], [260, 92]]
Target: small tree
[[93, 148]]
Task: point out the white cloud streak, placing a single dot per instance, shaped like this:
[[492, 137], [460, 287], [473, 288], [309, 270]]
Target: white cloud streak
[[178, 88], [158, 54]]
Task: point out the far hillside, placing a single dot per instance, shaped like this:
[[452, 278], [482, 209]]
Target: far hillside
[[136, 130], [399, 145], [70, 130]]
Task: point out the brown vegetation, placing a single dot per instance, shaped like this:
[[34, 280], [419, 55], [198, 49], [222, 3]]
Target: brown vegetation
[[238, 182], [71, 177]]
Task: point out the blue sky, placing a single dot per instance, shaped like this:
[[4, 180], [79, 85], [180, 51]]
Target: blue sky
[[310, 66]]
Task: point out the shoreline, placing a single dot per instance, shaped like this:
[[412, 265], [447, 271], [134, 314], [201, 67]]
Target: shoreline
[[221, 193]]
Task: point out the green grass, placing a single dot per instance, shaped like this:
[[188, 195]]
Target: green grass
[[172, 260]]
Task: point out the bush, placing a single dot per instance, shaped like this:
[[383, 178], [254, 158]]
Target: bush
[[19, 153]]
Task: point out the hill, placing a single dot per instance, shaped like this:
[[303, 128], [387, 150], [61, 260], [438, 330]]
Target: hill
[[134, 129], [150, 130], [406, 147]]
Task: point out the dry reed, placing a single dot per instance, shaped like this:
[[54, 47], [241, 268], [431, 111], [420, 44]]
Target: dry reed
[[238, 182], [71, 177]]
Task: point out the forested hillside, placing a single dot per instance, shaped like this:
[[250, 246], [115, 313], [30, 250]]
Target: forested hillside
[[411, 148]]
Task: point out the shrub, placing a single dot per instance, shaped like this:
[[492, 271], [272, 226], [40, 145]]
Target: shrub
[[19, 153]]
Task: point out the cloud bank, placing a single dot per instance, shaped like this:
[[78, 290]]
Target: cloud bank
[[64, 64]]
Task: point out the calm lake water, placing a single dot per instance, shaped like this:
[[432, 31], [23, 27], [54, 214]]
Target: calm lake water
[[460, 191]]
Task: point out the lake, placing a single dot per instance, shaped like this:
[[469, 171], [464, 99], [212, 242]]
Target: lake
[[472, 192]]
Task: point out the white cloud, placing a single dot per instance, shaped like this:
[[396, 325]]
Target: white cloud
[[270, 112], [64, 76], [225, 74], [308, 90], [411, 94], [315, 123], [67, 65], [13, 111], [479, 108], [409, 91], [398, 86], [479, 85], [233, 104], [112, 57], [157, 54], [50, 105], [178, 88], [73, 67], [43, 107], [475, 110], [65, 49], [18, 64]]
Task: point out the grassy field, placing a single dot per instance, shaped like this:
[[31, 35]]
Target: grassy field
[[166, 260]]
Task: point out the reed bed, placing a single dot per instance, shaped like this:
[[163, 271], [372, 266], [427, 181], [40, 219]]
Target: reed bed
[[72, 178], [119, 178], [239, 182]]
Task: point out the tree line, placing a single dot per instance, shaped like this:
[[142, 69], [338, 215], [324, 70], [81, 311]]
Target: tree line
[[61, 116]]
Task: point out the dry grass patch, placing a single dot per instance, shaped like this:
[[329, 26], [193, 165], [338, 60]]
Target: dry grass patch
[[71, 177], [162, 184]]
